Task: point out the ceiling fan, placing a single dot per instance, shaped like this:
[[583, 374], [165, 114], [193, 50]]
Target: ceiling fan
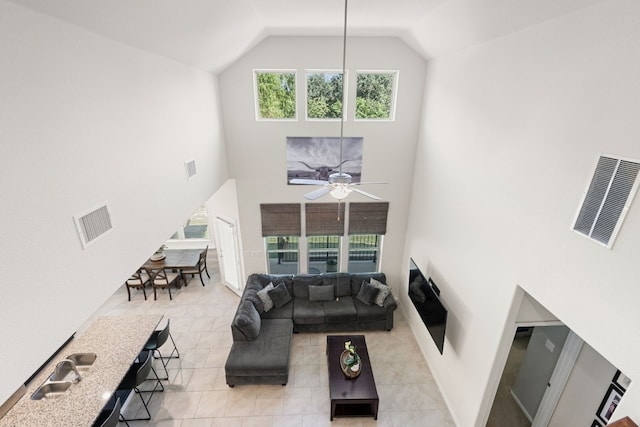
[[338, 184]]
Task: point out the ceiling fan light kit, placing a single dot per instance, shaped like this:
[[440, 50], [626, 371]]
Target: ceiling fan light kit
[[340, 192], [339, 184]]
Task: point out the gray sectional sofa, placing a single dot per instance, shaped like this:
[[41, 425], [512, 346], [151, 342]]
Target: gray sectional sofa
[[262, 327]]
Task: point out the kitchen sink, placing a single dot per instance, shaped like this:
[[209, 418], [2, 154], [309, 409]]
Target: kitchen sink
[[66, 373], [83, 361], [51, 390]]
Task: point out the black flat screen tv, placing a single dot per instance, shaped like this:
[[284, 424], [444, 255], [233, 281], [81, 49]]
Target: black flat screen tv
[[424, 294]]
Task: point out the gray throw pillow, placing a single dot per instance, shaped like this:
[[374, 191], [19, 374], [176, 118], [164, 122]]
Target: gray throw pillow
[[321, 293], [367, 294], [248, 321], [267, 302], [280, 295], [383, 291]]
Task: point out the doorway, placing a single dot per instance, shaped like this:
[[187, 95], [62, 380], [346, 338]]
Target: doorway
[[571, 389], [229, 253], [505, 411]]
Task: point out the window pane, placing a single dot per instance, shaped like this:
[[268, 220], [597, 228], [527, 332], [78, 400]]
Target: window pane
[[282, 254], [374, 95], [364, 253], [276, 95], [196, 227], [324, 253], [323, 242], [324, 95]]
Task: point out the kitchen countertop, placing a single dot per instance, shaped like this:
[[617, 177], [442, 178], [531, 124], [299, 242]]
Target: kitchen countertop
[[116, 340]]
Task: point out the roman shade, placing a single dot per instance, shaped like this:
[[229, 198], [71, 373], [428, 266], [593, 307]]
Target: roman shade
[[280, 219], [368, 218], [325, 219]]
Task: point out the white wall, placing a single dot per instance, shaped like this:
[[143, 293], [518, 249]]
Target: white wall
[[86, 120], [510, 134], [586, 387], [257, 157]]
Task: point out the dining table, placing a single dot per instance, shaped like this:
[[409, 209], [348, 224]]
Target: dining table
[[176, 259]]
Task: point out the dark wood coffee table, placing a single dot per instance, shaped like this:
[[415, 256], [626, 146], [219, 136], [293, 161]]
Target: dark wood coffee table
[[356, 397]]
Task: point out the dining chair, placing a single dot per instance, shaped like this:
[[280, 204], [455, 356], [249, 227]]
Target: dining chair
[[138, 280], [199, 268], [157, 339], [109, 417], [161, 278], [137, 374]]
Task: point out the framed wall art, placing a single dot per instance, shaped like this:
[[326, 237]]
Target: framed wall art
[[609, 403], [316, 158], [621, 381]]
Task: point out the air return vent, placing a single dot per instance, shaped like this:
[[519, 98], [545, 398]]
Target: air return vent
[[190, 167], [93, 224], [607, 199]]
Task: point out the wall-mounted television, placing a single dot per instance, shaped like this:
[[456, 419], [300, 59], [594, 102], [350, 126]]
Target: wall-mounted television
[[424, 295]]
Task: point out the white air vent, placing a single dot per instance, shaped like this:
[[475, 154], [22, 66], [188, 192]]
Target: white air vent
[[190, 167], [93, 224], [607, 199]]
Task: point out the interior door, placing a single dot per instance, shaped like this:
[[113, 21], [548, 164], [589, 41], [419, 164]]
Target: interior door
[[558, 381], [533, 378], [228, 253]]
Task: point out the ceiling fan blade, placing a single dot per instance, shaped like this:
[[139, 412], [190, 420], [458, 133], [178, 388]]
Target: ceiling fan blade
[[307, 181], [365, 183], [316, 194], [364, 193]]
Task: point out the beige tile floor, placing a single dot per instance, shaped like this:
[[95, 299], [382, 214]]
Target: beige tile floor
[[197, 395]]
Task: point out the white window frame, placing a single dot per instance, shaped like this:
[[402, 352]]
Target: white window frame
[[256, 98], [394, 94], [281, 250], [378, 250], [345, 87]]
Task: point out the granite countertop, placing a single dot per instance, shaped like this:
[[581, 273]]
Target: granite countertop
[[116, 340]]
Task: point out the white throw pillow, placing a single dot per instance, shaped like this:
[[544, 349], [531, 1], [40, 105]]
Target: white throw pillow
[[265, 298]]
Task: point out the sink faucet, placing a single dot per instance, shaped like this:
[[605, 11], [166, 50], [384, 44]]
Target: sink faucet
[[72, 365]]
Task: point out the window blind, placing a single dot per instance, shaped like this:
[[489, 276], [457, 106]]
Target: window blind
[[325, 219], [368, 218], [280, 219]]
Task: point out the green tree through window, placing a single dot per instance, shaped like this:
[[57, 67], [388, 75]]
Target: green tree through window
[[324, 95], [374, 95], [276, 95]]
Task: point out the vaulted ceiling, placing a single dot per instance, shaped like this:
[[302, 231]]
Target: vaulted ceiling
[[211, 34]]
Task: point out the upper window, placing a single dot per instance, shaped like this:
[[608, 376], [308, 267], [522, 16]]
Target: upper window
[[375, 95], [275, 94], [324, 95]]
